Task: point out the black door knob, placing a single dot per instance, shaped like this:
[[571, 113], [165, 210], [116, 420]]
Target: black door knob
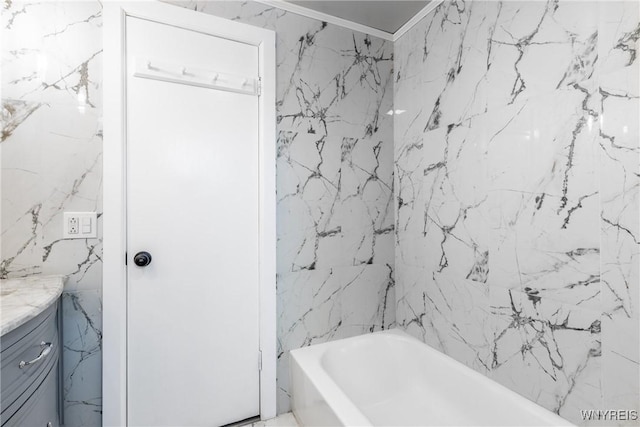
[[142, 259]]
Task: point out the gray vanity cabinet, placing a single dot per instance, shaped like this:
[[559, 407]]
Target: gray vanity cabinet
[[30, 372]]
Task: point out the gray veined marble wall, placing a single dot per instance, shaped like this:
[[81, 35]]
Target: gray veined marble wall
[[334, 175], [516, 177], [51, 146]]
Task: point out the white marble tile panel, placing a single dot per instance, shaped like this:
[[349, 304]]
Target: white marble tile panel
[[82, 361], [547, 351], [620, 216], [543, 204], [617, 35], [335, 207], [317, 306], [411, 300], [550, 90], [410, 203], [619, 380]]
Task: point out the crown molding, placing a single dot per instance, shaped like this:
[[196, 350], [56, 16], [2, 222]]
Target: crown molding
[[320, 16], [431, 6]]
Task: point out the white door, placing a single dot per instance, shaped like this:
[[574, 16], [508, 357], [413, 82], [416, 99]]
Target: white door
[[192, 204]]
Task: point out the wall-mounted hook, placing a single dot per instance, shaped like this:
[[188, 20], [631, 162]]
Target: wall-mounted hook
[[176, 73]]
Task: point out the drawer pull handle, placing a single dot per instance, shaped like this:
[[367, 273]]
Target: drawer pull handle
[[44, 353]]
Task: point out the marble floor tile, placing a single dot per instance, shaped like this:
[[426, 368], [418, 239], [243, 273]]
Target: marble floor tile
[[283, 420]]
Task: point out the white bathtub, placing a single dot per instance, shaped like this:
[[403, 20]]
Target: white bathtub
[[391, 379]]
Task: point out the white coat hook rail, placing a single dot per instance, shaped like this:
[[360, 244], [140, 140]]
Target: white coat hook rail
[[194, 76]]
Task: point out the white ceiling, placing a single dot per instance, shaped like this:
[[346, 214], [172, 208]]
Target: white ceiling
[[385, 15]]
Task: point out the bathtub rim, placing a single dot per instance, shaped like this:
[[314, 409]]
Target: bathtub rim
[[310, 362]]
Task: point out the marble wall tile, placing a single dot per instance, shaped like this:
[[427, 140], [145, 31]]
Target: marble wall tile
[[82, 361], [454, 318], [409, 202], [619, 148], [411, 306], [52, 162], [330, 80], [455, 188], [488, 54], [320, 305], [547, 351], [334, 202], [517, 189], [543, 205]]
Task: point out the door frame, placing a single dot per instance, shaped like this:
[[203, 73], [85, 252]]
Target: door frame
[[114, 277]]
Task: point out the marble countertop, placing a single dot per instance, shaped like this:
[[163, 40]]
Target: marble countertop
[[23, 299]]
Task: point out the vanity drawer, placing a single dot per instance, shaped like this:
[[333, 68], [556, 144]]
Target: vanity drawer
[[39, 408], [24, 344]]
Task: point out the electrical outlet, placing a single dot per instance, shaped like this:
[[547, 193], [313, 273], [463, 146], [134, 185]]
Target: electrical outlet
[[73, 225], [80, 225]]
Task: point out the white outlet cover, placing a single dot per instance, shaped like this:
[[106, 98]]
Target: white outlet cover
[[86, 228]]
